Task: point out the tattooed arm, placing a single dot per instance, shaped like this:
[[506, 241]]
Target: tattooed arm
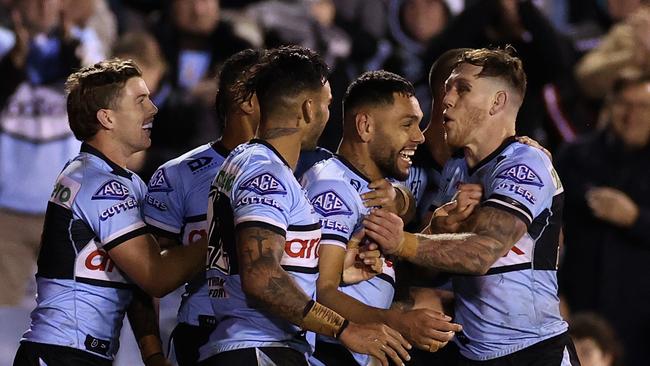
[[488, 234], [263, 280]]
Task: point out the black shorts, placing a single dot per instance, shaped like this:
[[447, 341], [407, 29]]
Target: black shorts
[[30, 354], [187, 341], [333, 354], [555, 351], [280, 356]]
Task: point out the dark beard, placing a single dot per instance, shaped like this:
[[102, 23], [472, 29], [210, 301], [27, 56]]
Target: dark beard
[[388, 166]]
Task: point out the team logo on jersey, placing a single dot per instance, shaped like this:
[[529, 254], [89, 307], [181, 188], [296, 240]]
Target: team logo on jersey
[[522, 174], [329, 203], [112, 190], [264, 183], [159, 182], [356, 184], [199, 163]]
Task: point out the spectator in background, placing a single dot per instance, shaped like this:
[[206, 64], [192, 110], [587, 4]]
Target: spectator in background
[[413, 25], [35, 138], [606, 176], [94, 24], [310, 24], [595, 340], [194, 40], [626, 48]]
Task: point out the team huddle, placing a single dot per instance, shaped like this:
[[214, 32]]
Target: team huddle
[[291, 254]]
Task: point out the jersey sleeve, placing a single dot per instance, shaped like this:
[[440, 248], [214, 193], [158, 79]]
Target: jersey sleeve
[[263, 197], [112, 209], [163, 203], [521, 184], [337, 205]]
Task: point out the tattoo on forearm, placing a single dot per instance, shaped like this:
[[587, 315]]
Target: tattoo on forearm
[[278, 132], [495, 232], [269, 286]]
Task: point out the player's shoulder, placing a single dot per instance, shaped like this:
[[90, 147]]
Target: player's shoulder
[[198, 159], [329, 169], [524, 164], [521, 151], [524, 156]]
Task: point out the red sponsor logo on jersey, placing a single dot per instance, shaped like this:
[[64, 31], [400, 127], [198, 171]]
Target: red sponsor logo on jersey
[[196, 235], [302, 248], [99, 260]]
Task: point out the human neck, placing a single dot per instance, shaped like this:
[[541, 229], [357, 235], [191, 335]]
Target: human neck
[[485, 145], [112, 151], [358, 155], [286, 140], [238, 130]]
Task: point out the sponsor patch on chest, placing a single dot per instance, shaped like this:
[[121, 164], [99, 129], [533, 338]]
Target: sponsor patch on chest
[[112, 190]]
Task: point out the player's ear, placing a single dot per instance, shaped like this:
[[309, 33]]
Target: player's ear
[[365, 126], [105, 118], [308, 110], [249, 106], [499, 102]]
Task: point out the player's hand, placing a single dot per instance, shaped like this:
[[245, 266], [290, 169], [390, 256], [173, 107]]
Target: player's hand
[[427, 329], [386, 229], [361, 263], [611, 205], [530, 142], [383, 195], [377, 340], [451, 215]]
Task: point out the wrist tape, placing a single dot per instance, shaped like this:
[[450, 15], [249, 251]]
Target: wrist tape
[[404, 192], [323, 320], [408, 247]]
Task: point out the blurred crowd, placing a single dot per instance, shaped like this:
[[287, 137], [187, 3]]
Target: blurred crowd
[[577, 54]]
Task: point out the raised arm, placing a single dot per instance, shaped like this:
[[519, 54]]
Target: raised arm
[[488, 234]]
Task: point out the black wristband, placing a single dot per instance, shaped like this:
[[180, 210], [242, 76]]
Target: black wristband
[[342, 328], [310, 304]]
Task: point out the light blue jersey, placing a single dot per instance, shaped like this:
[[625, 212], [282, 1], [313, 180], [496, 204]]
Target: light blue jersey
[[515, 304], [334, 187], [256, 187], [82, 296], [176, 207]]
